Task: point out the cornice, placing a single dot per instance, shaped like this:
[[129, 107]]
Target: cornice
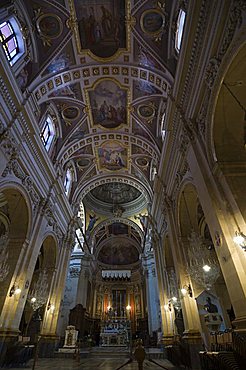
[[87, 75]]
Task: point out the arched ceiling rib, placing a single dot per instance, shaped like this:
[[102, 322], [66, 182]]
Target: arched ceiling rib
[[110, 67]]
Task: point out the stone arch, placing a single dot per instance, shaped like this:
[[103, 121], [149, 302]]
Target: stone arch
[[229, 128], [46, 261], [111, 221], [14, 207]]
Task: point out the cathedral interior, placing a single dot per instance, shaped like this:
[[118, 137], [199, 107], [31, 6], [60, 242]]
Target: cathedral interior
[[123, 177]]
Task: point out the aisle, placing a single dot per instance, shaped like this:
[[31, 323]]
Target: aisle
[[93, 364]]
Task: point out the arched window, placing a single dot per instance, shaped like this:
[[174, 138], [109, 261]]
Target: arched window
[[180, 29], [8, 40], [48, 133], [11, 39], [163, 131], [68, 181]]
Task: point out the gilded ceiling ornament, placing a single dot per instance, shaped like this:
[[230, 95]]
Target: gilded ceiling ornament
[[147, 111], [70, 114], [49, 26], [152, 22]]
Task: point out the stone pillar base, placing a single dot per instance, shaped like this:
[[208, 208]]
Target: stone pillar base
[[167, 340], [47, 345], [7, 339], [193, 343], [240, 325]]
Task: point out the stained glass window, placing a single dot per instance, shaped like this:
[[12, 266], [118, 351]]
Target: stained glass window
[[8, 40]]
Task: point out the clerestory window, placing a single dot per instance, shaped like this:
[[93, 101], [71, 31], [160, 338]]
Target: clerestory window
[[48, 133], [180, 29], [9, 40], [68, 181]]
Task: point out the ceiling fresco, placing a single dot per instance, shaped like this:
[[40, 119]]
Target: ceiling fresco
[[105, 70], [116, 193], [118, 252], [101, 27]]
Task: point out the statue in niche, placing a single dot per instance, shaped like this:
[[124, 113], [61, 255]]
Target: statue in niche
[[210, 307], [143, 220], [93, 220]]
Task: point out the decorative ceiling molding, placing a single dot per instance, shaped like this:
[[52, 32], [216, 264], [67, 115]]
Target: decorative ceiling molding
[[95, 139], [129, 208], [89, 74], [127, 179], [118, 220]]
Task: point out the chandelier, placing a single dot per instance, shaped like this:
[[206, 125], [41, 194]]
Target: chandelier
[[202, 266], [4, 266], [38, 296]]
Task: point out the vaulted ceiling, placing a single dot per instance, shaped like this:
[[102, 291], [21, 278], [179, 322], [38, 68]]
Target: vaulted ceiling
[[103, 69]]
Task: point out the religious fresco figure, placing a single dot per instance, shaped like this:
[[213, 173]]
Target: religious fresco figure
[[108, 103], [101, 28]]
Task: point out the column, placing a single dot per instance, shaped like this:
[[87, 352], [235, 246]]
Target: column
[[85, 273], [223, 216], [167, 312], [190, 312], [151, 292]]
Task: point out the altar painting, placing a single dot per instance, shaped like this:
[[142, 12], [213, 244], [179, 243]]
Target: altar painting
[[108, 104], [101, 26], [112, 156], [118, 253]]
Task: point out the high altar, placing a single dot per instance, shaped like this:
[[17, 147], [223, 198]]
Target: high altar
[[115, 332]]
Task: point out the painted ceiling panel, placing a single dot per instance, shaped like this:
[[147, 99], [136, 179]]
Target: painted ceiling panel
[[105, 69]]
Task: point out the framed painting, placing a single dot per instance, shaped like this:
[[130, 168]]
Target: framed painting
[[70, 113], [108, 102], [101, 26], [118, 254], [112, 156], [146, 111], [152, 21], [49, 25]]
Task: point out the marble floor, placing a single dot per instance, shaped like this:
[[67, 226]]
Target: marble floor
[[94, 364]]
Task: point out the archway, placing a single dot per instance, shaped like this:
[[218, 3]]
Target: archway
[[38, 297], [229, 129], [201, 268], [14, 222]]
